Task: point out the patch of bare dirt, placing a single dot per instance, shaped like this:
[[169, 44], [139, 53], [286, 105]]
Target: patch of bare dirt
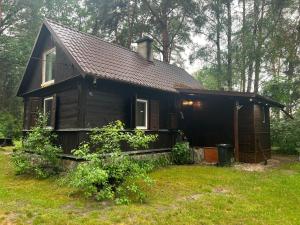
[[9, 219], [220, 190], [191, 197], [274, 162]]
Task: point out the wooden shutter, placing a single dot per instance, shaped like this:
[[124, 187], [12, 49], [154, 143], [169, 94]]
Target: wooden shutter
[[132, 113], [53, 112], [172, 123], [36, 104], [154, 115]]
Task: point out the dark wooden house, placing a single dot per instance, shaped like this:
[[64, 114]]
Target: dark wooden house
[[83, 82]]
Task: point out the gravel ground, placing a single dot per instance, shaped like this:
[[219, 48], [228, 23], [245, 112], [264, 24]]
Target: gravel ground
[[275, 161]]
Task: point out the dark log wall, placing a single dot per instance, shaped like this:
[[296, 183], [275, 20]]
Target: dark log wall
[[103, 107], [110, 101], [82, 105], [262, 132], [246, 133], [209, 123], [66, 108], [63, 68], [254, 133]]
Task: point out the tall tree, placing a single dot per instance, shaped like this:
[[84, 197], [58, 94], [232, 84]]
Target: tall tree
[[243, 43], [211, 25], [170, 21], [229, 44]]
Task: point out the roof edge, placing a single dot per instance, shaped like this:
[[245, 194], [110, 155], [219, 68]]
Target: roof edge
[[231, 94], [28, 61], [61, 44]]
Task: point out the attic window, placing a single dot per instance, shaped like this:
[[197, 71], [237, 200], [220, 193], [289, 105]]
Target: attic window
[[141, 114], [48, 66]]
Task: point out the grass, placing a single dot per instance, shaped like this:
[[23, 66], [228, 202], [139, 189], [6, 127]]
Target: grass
[[181, 195]]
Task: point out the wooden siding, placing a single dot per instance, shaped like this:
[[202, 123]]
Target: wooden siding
[[103, 107], [109, 101], [246, 133], [254, 133], [63, 68], [154, 115], [262, 132], [66, 108]]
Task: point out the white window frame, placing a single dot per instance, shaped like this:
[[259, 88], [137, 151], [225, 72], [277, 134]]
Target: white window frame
[[47, 99], [44, 82], [146, 114]]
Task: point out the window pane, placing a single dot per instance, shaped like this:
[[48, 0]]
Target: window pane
[[140, 114], [50, 59], [48, 110]]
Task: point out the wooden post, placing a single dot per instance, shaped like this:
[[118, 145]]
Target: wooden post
[[236, 130]]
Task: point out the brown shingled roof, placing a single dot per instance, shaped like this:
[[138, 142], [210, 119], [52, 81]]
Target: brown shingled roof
[[110, 61]]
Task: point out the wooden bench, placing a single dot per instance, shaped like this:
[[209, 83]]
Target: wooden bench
[[6, 142]]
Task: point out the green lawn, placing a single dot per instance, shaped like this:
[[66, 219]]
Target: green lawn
[[181, 195]]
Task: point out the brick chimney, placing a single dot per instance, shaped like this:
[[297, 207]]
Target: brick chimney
[[144, 48]]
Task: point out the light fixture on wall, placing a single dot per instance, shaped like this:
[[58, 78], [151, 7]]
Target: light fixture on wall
[[187, 102], [195, 104]]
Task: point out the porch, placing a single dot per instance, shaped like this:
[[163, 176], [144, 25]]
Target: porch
[[208, 118]]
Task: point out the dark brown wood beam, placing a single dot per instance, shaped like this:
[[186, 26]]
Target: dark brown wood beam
[[236, 130]]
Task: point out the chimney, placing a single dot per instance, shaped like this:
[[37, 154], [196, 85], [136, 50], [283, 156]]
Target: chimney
[[144, 48]]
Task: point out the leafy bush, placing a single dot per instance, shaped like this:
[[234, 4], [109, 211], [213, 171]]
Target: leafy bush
[[153, 162], [181, 153], [38, 155], [107, 173], [9, 125], [285, 134]]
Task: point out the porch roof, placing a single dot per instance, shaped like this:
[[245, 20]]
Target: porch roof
[[234, 94]]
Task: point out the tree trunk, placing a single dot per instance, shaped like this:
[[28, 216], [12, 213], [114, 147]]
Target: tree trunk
[[0, 11], [96, 27], [229, 47], [252, 54], [165, 42], [165, 33], [218, 29], [250, 75], [243, 72], [258, 52], [131, 18]]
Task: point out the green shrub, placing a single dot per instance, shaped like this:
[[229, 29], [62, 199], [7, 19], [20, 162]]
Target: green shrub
[[181, 153], [9, 126], [107, 174], [285, 134], [154, 162], [38, 156]]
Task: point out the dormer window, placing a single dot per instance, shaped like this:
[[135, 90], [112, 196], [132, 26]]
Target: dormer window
[[48, 66]]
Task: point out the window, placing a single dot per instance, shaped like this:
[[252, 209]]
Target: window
[[48, 65], [48, 102], [141, 114]]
